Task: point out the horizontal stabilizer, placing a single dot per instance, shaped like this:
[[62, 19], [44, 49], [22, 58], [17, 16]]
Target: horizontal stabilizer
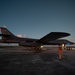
[[53, 36], [4, 35]]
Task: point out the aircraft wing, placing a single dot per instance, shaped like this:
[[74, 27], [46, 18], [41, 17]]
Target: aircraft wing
[[53, 36]]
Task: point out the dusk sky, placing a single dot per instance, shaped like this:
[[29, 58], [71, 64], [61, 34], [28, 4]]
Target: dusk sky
[[36, 18]]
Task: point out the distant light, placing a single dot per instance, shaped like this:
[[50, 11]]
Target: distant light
[[63, 45], [41, 46]]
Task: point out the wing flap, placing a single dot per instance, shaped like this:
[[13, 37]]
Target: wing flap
[[53, 36]]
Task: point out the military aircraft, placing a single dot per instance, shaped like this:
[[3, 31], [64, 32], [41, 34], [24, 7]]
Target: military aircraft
[[8, 37]]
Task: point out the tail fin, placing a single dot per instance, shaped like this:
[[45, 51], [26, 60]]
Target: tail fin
[[5, 33]]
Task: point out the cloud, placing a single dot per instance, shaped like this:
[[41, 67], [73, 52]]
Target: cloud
[[20, 35]]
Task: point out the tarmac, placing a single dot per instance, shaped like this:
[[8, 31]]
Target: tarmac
[[21, 61]]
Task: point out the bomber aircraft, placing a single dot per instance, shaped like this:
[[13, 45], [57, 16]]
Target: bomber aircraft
[[8, 37]]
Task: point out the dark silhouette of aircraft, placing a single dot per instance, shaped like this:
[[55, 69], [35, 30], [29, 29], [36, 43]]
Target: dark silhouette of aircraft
[[8, 37]]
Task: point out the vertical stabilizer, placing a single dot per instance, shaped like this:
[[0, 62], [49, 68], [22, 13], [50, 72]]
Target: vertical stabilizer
[[5, 33]]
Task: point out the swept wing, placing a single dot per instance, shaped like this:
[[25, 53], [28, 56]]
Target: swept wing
[[53, 36]]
